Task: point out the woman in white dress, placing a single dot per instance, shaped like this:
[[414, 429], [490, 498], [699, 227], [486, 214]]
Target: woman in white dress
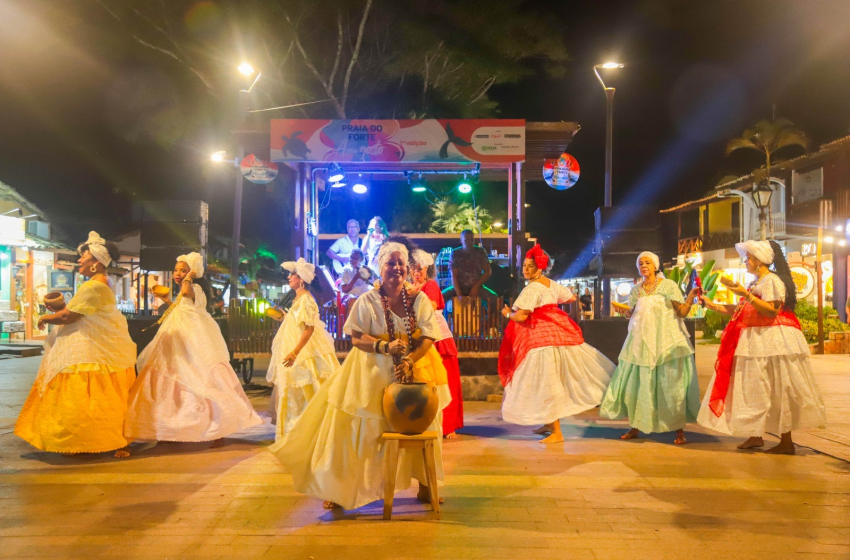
[[334, 450], [303, 354], [548, 371], [186, 389], [763, 380]]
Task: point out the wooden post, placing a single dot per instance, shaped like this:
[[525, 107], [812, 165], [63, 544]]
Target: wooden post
[[819, 285]]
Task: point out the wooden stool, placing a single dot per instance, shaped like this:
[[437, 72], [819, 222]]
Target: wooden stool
[[425, 442]]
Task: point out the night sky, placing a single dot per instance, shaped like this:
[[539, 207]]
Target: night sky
[[697, 73]]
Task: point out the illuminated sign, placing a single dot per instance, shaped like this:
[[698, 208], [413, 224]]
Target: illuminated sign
[[809, 249], [12, 231], [804, 281]]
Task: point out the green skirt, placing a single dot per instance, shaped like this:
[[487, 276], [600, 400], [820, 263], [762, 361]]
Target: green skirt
[[659, 399]]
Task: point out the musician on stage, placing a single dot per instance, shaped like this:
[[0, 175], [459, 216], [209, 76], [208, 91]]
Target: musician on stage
[[340, 251]]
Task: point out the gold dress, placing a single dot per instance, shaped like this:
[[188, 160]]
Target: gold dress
[[79, 399]]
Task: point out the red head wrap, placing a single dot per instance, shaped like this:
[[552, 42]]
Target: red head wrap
[[540, 258]]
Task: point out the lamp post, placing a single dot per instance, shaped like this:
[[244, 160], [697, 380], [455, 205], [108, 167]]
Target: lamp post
[[761, 196], [609, 152], [241, 117]]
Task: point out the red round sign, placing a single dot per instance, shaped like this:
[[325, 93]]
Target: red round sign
[[561, 173], [257, 170]]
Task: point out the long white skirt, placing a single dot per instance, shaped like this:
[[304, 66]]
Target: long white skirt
[[336, 456], [555, 382], [774, 394], [295, 387]]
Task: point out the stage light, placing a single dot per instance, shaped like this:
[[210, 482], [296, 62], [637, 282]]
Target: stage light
[[418, 188], [464, 188], [419, 185], [246, 69], [335, 173], [338, 184], [218, 157], [359, 188]]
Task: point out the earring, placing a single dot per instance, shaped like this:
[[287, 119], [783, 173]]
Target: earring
[[93, 268]]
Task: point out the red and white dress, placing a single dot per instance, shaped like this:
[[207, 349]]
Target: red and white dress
[[453, 413], [548, 371], [763, 380]]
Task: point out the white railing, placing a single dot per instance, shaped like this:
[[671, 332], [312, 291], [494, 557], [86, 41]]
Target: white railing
[[777, 224]]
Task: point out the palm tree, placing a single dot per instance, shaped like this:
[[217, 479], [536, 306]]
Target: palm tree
[[768, 137], [454, 218]]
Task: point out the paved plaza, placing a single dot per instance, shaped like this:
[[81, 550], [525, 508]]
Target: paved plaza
[[507, 496]]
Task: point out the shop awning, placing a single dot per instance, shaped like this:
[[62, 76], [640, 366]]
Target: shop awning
[[42, 244]]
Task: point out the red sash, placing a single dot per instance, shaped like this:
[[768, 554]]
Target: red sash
[[745, 316], [546, 326]]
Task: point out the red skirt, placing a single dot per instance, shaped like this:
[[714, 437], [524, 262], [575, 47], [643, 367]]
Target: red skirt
[[452, 414]]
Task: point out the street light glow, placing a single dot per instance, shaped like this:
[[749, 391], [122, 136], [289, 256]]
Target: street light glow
[[828, 239], [218, 157], [842, 243], [246, 69], [611, 65]]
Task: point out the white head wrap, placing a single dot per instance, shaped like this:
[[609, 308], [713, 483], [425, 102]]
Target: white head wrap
[[97, 247], [655, 260], [759, 249], [388, 249], [305, 271], [423, 258], [195, 262]]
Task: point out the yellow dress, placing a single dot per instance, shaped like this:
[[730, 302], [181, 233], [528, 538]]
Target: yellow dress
[[79, 399]]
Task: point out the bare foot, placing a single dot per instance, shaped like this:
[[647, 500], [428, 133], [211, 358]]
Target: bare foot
[[631, 434], [680, 438], [783, 448], [751, 443], [330, 505], [543, 430], [424, 495], [122, 453], [554, 438], [217, 443], [450, 436]]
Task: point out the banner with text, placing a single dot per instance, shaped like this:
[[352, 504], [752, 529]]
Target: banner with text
[[432, 141]]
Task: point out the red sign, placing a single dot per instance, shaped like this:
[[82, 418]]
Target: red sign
[[434, 140], [257, 170], [561, 173]]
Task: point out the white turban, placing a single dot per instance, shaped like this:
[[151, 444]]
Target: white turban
[[655, 260], [423, 258], [195, 262], [759, 249], [388, 249], [97, 247], [305, 271]]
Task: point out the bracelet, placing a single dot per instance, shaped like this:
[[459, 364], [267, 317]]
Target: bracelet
[[385, 349], [409, 360], [377, 346]]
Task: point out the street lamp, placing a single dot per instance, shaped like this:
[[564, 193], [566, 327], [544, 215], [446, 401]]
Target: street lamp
[[609, 153], [609, 125], [241, 117], [761, 196]]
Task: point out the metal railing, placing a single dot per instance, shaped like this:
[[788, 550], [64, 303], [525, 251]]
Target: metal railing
[[476, 327]]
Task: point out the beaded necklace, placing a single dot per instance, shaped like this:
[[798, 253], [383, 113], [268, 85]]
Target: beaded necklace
[[654, 285], [409, 318]]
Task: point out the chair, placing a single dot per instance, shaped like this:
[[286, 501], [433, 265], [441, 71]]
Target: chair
[[425, 442]]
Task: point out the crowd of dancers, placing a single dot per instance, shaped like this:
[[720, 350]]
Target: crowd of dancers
[[329, 420]]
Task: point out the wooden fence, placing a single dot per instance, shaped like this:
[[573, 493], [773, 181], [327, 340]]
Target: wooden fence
[[477, 327]]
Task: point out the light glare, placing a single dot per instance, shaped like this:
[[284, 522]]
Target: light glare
[[359, 188], [217, 157], [612, 65], [464, 188], [246, 69], [828, 239]]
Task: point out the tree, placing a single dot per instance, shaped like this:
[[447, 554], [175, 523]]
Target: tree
[[357, 58], [767, 137]]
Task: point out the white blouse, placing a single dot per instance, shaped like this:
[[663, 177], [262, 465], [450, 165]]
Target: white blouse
[[537, 295], [762, 342]]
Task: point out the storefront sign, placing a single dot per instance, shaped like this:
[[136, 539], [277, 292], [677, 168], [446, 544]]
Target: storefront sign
[[62, 280], [561, 173], [433, 140], [12, 231], [809, 249], [42, 258], [257, 170], [804, 281]]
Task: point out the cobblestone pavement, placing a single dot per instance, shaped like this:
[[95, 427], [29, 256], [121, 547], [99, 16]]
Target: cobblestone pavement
[[507, 496]]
